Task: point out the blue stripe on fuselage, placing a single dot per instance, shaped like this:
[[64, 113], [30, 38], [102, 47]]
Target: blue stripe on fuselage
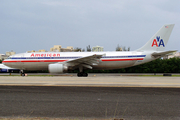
[[137, 56]]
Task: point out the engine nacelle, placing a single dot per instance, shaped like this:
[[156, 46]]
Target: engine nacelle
[[57, 68]]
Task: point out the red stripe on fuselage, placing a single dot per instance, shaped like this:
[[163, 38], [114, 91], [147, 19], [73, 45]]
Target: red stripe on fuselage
[[34, 61], [123, 59], [132, 59]]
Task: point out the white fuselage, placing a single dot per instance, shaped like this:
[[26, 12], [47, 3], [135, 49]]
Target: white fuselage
[[110, 60]]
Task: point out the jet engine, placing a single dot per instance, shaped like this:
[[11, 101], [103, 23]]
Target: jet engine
[[57, 68]]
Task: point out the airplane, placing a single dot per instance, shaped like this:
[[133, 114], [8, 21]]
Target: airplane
[[5, 69], [61, 62]]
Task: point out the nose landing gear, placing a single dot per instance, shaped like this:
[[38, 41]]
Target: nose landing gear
[[22, 73]]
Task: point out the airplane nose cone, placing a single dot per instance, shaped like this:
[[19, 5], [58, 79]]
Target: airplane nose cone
[[3, 62]]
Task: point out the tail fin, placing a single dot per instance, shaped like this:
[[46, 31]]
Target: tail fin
[[159, 40]]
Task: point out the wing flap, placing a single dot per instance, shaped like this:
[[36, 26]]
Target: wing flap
[[86, 62]]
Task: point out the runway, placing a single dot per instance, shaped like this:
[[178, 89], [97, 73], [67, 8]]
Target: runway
[[94, 97], [92, 81], [90, 102]]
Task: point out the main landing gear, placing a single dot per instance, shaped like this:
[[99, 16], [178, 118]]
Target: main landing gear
[[81, 74]]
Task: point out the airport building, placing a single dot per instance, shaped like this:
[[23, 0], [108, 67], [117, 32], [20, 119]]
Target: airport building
[[97, 49], [175, 54], [42, 50], [10, 53], [31, 51], [36, 51], [4, 56], [58, 48]]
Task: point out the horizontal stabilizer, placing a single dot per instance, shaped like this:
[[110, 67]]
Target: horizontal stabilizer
[[161, 54]]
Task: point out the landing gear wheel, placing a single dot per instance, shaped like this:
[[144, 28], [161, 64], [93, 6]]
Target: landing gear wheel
[[79, 74], [85, 74], [82, 74], [22, 73]]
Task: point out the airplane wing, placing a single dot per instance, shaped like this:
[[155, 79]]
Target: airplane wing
[[86, 62], [161, 54]]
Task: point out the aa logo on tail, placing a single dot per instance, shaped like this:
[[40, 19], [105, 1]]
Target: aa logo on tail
[[156, 41]]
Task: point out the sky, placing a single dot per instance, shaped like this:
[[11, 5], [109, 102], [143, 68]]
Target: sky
[[27, 25]]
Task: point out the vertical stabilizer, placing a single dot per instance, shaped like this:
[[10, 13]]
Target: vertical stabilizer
[[159, 41]]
